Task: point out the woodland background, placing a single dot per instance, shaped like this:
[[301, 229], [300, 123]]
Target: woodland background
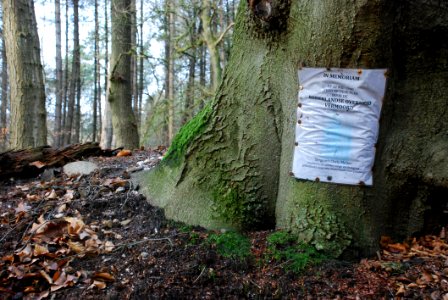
[[179, 51]]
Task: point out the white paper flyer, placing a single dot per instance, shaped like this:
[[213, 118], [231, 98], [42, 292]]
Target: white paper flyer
[[337, 124]]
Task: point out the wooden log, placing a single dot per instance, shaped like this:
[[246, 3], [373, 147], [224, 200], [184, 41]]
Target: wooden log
[[31, 162]]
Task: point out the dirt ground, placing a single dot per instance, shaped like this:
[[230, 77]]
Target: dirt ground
[[96, 237]]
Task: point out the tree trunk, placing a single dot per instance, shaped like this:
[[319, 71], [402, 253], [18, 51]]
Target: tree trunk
[[77, 119], [59, 83], [25, 74], [230, 165], [106, 126], [96, 75], [66, 79], [212, 44], [169, 73], [141, 69], [40, 126], [120, 89], [72, 108], [4, 95]]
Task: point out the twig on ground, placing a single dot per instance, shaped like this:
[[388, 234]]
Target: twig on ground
[[197, 278]]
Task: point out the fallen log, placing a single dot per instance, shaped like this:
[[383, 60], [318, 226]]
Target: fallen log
[[33, 161]]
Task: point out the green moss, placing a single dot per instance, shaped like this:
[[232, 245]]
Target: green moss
[[231, 245], [234, 206], [283, 247], [186, 135]]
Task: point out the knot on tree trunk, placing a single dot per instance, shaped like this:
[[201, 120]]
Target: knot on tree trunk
[[270, 15]]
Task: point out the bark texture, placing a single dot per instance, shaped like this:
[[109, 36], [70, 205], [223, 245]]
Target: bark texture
[[57, 134], [230, 165], [120, 88], [28, 128]]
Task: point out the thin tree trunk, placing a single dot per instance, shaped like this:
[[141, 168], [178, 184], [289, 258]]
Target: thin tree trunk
[[71, 103], [170, 68], [106, 128], [26, 74], [4, 95], [134, 59], [59, 81], [66, 79], [95, 75], [211, 42], [141, 69]]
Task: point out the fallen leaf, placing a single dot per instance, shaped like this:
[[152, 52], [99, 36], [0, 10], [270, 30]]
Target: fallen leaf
[[52, 195], [103, 276], [109, 246], [46, 276], [38, 164], [75, 226], [40, 250], [69, 195], [98, 284], [76, 247], [25, 253], [125, 222], [22, 207], [401, 291], [124, 153], [397, 247], [32, 197]]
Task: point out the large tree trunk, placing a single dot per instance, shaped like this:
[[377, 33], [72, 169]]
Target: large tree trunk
[[120, 89], [25, 74], [230, 165]]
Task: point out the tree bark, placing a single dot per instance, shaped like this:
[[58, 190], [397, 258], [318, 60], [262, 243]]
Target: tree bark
[[28, 126], [120, 78], [141, 69], [66, 78], [106, 123], [230, 165], [4, 94], [169, 67], [59, 83], [96, 75]]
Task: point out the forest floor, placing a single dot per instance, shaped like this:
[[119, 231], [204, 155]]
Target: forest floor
[[96, 237]]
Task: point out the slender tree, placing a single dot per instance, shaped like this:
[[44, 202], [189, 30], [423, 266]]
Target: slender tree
[[59, 81], [4, 99], [120, 89], [28, 126], [96, 75], [141, 67], [66, 76], [106, 129], [169, 66]]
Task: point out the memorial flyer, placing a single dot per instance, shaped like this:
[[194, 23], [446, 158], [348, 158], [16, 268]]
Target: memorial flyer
[[337, 124]]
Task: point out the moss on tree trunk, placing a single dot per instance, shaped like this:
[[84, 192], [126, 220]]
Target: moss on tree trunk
[[234, 171]]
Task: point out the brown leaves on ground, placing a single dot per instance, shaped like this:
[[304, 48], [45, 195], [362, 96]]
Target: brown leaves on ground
[[95, 237]]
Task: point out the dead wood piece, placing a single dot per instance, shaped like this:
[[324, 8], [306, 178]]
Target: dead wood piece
[[31, 162]]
